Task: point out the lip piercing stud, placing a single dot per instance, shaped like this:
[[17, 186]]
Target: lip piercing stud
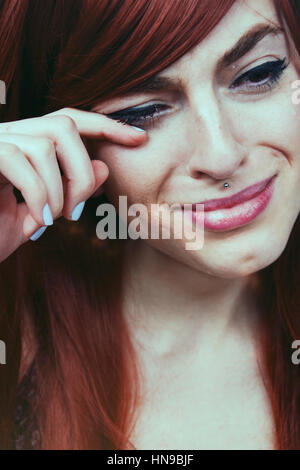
[[226, 185]]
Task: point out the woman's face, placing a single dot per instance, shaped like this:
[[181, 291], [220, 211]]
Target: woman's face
[[226, 124]]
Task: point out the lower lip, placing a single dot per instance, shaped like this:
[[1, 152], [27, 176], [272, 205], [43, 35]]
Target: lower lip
[[236, 216]]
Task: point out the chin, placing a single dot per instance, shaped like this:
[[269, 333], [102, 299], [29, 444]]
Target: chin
[[243, 259]]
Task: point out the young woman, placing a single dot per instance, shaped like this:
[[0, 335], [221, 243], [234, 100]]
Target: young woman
[[141, 343]]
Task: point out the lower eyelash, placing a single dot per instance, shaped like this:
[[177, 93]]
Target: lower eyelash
[[147, 118]]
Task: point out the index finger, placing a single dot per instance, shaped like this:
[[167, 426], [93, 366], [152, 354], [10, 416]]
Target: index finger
[[88, 124], [92, 124]]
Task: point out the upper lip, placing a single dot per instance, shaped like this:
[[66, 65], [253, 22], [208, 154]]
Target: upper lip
[[230, 201]]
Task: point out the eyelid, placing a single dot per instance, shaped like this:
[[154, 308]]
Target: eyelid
[[281, 65], [252, 65], [138, 107], [243, 85], [160, 110], [143, 115]]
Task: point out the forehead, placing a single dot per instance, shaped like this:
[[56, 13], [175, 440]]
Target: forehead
[[243, 15], [207, 57]]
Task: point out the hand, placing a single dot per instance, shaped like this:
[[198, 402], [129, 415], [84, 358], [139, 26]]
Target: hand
[[31, 154]]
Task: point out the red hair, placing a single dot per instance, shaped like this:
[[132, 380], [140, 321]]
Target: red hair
[[87, 376]]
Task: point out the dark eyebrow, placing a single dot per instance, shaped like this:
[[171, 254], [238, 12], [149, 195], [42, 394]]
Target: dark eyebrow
[[157, 83], [245, 44]]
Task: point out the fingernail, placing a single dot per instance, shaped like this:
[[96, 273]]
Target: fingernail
[[138, 129], [38, 233], [47, 216], [77, 211]]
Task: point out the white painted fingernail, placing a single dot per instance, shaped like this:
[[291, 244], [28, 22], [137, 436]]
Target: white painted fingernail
[[38, 233], [138, 129], [47, 216], [77, 211]]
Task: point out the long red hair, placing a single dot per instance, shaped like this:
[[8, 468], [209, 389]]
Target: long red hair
[[61, 298]]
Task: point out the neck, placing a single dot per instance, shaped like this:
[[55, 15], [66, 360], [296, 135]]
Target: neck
[[172, 307]]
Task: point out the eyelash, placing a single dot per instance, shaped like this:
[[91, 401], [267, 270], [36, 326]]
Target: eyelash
[[275, 68], [150, 114], [138, 117]]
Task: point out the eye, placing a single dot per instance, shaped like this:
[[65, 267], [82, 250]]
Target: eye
[[146, 115], [261, 78]]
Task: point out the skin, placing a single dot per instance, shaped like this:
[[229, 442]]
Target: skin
[[30, 152], [193, 314]]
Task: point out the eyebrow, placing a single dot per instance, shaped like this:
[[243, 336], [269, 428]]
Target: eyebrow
[[244, 45], [247, 42]]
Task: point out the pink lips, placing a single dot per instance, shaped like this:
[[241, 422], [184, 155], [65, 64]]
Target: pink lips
[[237, 210]]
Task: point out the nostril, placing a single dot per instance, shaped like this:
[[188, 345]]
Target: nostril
[[194, 172]]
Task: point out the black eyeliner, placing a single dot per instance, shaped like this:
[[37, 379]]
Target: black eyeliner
[[275, 66], [130, 116]]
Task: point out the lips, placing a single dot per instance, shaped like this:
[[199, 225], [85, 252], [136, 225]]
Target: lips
[[245, 195], [234, 211]]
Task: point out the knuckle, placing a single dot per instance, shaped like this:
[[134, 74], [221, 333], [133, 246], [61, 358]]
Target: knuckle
[[66, 123], [86, 187], [66, 110], [33, 185], [9, 150], [45, 147], [8, 127]]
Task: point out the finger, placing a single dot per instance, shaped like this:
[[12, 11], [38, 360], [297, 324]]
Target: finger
[[73, 158], [63, 130], [26, 225], [93, 124], [42, 155], [101, 172], [15, 167], [89, 124], [12, 231]]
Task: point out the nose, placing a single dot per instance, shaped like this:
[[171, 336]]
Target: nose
[[216, 149]]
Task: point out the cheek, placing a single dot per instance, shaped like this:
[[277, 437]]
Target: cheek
[[137, 173], [273, 122]]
